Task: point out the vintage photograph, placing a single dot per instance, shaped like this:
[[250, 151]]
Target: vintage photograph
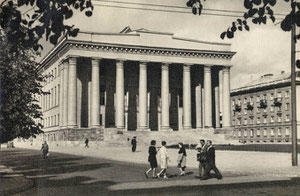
[[149, 97]]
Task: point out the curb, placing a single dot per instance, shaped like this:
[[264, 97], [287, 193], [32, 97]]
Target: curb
[[172, 189]]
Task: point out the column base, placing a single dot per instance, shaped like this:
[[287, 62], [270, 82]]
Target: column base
[[166, 129], [143, 129], [72, 126], [95, 126]]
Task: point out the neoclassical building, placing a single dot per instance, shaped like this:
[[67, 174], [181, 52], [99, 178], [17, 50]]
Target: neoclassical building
[[137, 80]]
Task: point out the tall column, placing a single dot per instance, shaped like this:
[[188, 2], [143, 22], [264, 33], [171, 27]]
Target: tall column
[[165, 121], [187, 121], [143, 96], [207, 97], [65, 93], [120, 94], [61, 95], [95, 94], [217, 106], [198, 106], [226, 119], [72, 93], [221, 91]]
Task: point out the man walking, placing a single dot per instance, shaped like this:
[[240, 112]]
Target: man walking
[[45, 149], [86, 143], [201, 157], [210, 162], [133, 143]]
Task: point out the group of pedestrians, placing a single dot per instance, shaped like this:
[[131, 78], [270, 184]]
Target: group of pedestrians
[[205, 156]]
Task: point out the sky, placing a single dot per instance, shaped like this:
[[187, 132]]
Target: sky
[[264, 49]]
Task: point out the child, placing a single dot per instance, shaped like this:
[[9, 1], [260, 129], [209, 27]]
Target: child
[[181, 159], [152, 159], [164, 158]]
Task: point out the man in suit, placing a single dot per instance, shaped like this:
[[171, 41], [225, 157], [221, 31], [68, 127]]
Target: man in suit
[[133, 143], [210, 162]]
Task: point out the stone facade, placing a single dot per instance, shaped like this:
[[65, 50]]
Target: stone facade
[[261, 111], [135, 81]]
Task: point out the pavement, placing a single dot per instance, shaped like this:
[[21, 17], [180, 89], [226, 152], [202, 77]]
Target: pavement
[[11, 182], [237, 167]]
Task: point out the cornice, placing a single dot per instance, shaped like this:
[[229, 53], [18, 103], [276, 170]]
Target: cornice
[[133, 49]]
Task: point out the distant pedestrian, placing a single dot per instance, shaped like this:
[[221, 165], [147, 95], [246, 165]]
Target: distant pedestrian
[[181, 161], [86, 143], [45, 150], [152, 159], [164, 158], [210, 162], [201, 157], [133, 144]]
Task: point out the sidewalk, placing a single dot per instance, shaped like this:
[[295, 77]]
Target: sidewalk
[[243, 167], [11, 183]]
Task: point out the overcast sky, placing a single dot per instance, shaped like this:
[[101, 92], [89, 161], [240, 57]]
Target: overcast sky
[[265, 49]]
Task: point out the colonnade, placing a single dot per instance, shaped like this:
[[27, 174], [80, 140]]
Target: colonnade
[[68, 99]]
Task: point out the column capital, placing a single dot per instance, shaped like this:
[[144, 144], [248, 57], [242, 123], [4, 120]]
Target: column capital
[[207, 68], [165, 66], [95, 62], [226, 70], [187, 67], [72, 59], [143, 65]]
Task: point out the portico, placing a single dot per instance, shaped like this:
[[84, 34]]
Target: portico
[[141, 81]]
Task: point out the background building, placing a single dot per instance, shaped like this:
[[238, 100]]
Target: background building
[[261, 111]]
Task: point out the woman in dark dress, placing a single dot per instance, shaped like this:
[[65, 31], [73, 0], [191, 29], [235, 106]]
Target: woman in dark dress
[[152, 159]]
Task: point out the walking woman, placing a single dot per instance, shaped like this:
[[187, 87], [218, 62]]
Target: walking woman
[[181, 159], [152, 159], [164, 158]]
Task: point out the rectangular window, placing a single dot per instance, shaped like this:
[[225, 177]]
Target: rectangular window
[[272, 119], [287, 106], [265, 132], [55, 72], [233, 102], [245, 133], [239, 133], [58, 94], [257, 133], [287, 131], [258, 98], [245, 100], [52, 75], [279, 95], [271, 96], [287, 94], [265, 97], [239, 121], [265, 120], [287, 118], [251, 121], [258, 121], [251, 133], [245, 121], [279, 132], [279, 119], [272, 108], [55, 103], [272, 132], [245, 111]]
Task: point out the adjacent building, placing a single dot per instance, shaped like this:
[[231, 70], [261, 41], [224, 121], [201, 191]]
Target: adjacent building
[[261, 111]]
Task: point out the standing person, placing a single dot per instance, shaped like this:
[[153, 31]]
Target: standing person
[[181, 159], [164, 158], [86, 142], [152, 159], [210, 162], [201, 157], [45, 149], [133, 143]]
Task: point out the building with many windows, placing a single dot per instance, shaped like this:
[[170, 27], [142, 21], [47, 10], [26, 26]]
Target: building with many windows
[[261, 111]]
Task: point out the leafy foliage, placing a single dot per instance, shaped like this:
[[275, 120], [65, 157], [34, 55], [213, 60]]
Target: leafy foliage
[[258, 11], [19, 82], [47, 19]]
